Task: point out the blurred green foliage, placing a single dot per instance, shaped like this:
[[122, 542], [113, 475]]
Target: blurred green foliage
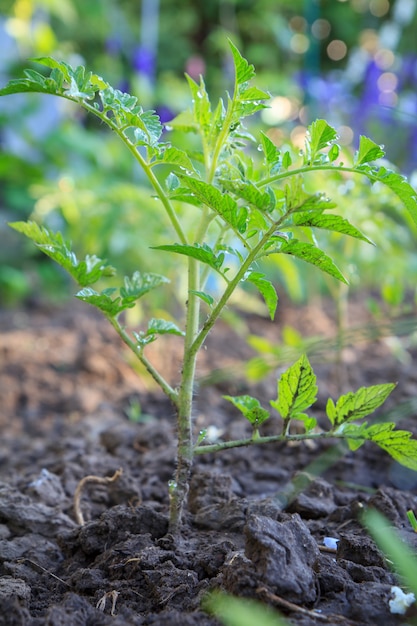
[[100, 202]]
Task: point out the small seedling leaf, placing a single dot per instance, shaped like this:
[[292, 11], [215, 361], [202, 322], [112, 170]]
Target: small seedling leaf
[[139, 284], [244, 71], [297, 390], [398, 443], [266, 289], [250, 408], [368, 151], [271, 152], [357, 405], [319, 135], [163, 327]]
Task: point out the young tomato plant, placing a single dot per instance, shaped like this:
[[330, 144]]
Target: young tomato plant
[[246, 208]]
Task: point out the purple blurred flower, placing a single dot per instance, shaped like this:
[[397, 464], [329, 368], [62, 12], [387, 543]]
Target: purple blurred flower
[[114, 45], [143, 61], [165, 113]]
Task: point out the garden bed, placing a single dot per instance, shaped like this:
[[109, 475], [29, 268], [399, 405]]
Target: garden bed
[[257, 517]]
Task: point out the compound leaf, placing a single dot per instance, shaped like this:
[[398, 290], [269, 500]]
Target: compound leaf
[[85, 272], [139, 284]]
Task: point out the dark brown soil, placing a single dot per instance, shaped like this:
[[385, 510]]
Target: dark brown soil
[[256, 518]]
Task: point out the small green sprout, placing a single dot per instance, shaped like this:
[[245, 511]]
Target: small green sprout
[[412, 519]]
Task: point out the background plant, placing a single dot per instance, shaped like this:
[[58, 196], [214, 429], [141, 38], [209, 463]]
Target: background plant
[[246, 209], [368, 88]]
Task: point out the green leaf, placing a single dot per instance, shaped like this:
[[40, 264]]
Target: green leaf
[[232, 611], [319, 135], [267, 290], [297, 391], [335, 223], [311, 254], [206, 297], [184, 122], [253, 94], [271, 152], [223, 204], [155, 328], [139, 284], [249, 192], [243, 70], [103, 301], [400, 186], [202, 253], [368, 151], [174, 156], [398, 443], [250, 407], [85, 272], [201, 105], [356, 405]]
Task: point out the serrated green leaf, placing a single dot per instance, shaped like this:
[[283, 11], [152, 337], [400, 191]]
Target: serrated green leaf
[[202, 253], [103, 301], [267, 290], [243, 70], [85, 272], [398, 443], [297, 390], [201, 105], [206, 297], [253, 94], [174, 156], [271, 152], [368, 151], [334, 223], [250, 407], [357, 405], [400, 186], [155, 328], [311, 254], [139, 284], [249, 192], [319, 135], [223, 204]]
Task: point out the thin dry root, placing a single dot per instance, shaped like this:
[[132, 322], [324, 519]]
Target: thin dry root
[[101, 604], [98, 480]]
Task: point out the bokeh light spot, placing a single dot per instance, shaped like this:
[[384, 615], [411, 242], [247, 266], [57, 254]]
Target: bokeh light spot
[[321, 28], [379, 8], [387, 82], [384, 58], [281, 109], [298, 135], [299, 43], [368, 40], [336, 50], [346, 135]]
